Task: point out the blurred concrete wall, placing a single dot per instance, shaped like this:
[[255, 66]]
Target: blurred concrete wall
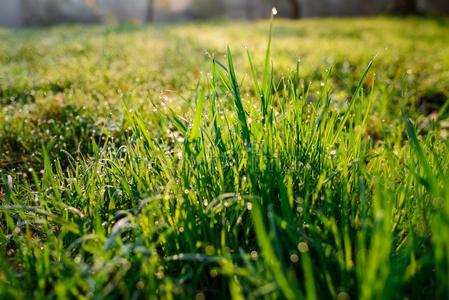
[[125, 10], [43, 12], [203, 9], [312, 8], [238, 9], [434, 6], [46, 12], [11, 13]]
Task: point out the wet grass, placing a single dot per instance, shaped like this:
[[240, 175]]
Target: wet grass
[[143, 167]]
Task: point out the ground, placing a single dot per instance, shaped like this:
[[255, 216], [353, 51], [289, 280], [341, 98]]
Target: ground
[[134, 162]]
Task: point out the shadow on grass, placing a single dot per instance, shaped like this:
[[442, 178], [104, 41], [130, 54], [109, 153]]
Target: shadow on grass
[[61, 129]]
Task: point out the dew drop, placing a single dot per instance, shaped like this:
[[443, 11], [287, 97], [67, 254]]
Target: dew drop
[[303, 247], [294, 258]]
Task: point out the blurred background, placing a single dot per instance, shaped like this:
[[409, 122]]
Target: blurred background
[[15, 13]]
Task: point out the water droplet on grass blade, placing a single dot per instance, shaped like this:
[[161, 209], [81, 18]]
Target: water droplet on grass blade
[[9, 185], [343, 296], [254, 255], [140, 285], [303, 247], [294, 258]]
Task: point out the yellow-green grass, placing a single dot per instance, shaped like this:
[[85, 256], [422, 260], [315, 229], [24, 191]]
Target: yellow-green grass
[[156, 162]]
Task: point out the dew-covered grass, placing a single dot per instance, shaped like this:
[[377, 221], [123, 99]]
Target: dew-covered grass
[[196, 161]]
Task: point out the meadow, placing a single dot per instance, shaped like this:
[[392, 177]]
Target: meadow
[[221, 160]]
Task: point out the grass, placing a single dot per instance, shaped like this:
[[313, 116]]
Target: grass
[[128, 173]]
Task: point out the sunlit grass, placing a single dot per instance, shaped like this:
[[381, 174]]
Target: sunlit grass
[[250, 179]]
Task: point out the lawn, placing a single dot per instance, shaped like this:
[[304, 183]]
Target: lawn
[[193, 161]]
